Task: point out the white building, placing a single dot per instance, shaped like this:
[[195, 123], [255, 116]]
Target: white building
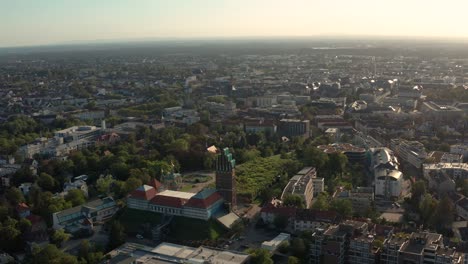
[[76, 185], [319, 185], [388, 183], [454, 170], [412, 152], [180, 115], [96, 211], [273, 244], [265, 101], [202, 205], [63, 142], [460, 149]]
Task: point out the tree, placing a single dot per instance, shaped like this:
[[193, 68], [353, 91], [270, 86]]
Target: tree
[[283, 247], [321, 203], [337, 163], [59, 236], [238, 227], [104, 183], [444, 213], [427, 207], [132, 183], [3, 213], [294, 200], [46, 182], [280, 222], [463, 184], [141, 174], [418, 190], [14, 196], [118, 188], [88, 253], [76, 197], [116, 235], [298, 248], [293, 260], [10, 235], [260, 256], [312, 156], [342, 206], [51, 254]]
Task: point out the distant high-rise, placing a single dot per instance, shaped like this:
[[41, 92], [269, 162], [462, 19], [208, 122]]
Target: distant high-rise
[[188, 102], [226, 177]]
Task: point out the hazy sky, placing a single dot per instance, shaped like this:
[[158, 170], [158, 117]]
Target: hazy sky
[[31, 22]]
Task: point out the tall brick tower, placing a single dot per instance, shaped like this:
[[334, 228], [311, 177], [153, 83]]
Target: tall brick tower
[[226, 177]]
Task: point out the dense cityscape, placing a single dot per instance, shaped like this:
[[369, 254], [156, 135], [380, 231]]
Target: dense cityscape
[[306, 151]]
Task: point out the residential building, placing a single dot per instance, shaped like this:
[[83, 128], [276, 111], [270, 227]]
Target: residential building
[[444, 157], [302, 186], [23, 210], [361, 198], [259, 125], [318, 184], [412, 152], [460, 149], [353, 153], [180, 115], [294, 128], [265, 101], [224, 110], [76, 185], [90, 115], [331, 245], [440, 181], [307, 219], [91, 213], [461, 206], [25, 187], [441, 112], [75, 133], [174, 253], [454, 170], [424, 247], [274, 209]]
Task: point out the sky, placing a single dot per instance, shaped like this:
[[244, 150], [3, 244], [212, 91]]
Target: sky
[[41, 22]]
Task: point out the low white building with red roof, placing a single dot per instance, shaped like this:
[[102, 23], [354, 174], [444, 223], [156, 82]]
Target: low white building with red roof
[[201, 205]]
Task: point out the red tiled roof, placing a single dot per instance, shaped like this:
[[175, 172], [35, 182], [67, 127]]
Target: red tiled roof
[[143, 194], [34, 219], [204, 203], [168, 201], [155, 184], [283, 211], [316, 215], [22, 207]]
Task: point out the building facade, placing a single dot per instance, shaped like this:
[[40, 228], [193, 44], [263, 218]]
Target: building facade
[[226, 177], [96, 211]]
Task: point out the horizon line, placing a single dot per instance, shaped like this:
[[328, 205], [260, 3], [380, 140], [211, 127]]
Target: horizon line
[[367, 37]]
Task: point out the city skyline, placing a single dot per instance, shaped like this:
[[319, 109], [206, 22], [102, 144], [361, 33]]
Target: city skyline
[[28, 23]]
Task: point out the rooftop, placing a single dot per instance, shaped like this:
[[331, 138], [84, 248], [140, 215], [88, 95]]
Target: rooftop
[[342, 148], [277, 240], [173, 250], [176, 194]]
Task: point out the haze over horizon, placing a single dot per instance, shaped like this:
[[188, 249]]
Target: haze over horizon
[[30, 22]]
